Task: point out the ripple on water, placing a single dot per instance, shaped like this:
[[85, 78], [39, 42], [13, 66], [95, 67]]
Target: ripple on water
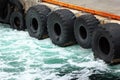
[[26, 58]]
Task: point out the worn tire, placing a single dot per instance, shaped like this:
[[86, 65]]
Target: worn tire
[[7, 7], [36, 21], [60, 27], [83, 29], [17, 21], [2, 7], [106, 43], [5, 14], [3, 4]]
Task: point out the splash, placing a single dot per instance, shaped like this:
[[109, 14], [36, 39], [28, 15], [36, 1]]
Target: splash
[[26, 58]]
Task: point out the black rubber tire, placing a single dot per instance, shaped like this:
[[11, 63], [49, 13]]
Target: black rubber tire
[[3, 4], [5, 14], [83, 29], [17, 21], [106, 43], [36, 21], [60, 26], [7, 7]]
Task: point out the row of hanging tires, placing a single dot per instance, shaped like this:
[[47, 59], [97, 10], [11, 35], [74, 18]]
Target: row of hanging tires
[[65, 29]]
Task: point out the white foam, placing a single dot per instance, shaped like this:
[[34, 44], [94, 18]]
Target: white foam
[[30, 51]]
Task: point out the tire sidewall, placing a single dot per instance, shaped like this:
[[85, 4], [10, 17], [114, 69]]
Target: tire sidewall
[[79, 39], [21, 19], [32, 14], [53, 20], [97, 52]]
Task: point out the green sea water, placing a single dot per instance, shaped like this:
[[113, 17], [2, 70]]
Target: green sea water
[[26, 58]]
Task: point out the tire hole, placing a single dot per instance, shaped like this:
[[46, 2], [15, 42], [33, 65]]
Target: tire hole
[[34, 24], [17, 21], [83, 32], [104, 45], [57, 29]]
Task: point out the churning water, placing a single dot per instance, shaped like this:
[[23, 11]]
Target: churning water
[[26, 58]]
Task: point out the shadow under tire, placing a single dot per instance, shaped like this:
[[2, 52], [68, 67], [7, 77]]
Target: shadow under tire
[[60, 26], [36, 21], [106, 43], [17, 21], [83, 29]]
